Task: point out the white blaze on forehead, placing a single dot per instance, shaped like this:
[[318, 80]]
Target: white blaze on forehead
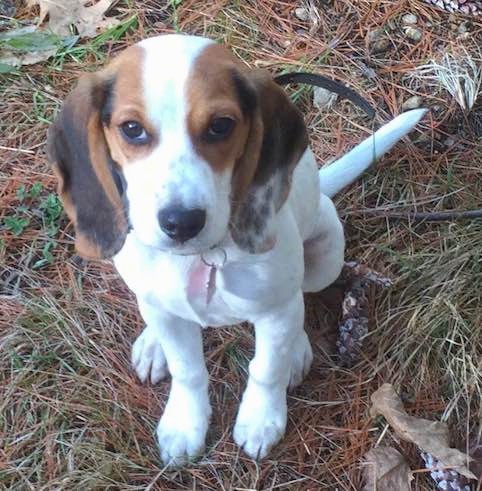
[[167, 64], [172, 173], [173, 165]]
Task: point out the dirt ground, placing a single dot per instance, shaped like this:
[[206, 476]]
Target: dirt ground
[[73, 416]]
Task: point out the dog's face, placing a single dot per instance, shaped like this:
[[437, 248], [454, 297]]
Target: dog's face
[[179, 140]]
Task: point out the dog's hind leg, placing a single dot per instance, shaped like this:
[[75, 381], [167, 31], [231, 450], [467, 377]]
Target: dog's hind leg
[[325, 248]]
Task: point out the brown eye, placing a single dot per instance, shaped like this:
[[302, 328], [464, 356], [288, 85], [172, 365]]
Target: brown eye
[[133, 132], [219, 129]]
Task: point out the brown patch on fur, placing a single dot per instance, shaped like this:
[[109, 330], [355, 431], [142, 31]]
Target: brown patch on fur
[[247, 163], [211, 93], [276, 141], [265, 145], [84, 143], [99, 155], [284, 137], [80, 156], [127, 104], [87, 248], [63, 194]]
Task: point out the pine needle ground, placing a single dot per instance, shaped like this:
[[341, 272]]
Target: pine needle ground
[[73, 415]]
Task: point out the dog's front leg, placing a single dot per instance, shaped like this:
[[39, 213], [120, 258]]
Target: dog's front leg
[[261, 419], [183, 426]]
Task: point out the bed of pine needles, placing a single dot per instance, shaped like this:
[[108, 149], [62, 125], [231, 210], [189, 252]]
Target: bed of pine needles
[[73, 416]]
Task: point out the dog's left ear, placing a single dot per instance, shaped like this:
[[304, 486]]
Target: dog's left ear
[[276, 140], [87, 183]]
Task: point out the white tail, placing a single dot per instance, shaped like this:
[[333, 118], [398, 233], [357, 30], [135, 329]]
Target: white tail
[[334, 177]]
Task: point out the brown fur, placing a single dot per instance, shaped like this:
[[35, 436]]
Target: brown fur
[[83, 160], [85, 143], [211, 93], [128, 104], [267, 142]]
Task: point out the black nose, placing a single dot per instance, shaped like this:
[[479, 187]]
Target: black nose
[[181, 224]]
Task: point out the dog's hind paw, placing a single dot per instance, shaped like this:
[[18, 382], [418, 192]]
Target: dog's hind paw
[[148, 358]]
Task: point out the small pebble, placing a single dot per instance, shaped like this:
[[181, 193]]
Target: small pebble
[[323, 99], [450, 141], [367, 71], [380, 45], [7, 8], [302, 14], [413, 33], [375, 34], [409, 19], [412, 103], [463, 28]]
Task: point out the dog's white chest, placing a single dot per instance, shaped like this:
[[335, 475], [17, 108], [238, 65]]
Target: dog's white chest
[[235, 291]]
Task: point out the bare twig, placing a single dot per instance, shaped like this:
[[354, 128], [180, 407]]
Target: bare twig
[[431, 216]]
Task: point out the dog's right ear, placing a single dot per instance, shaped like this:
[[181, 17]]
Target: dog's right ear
[[79, 154]]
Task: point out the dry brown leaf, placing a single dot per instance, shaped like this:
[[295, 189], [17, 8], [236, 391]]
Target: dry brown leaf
[[431, 436], [386, 470], [29, 58], [26, 46], [64, 13]]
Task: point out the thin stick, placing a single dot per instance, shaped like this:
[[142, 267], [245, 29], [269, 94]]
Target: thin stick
[[429, 216], [21, 150]]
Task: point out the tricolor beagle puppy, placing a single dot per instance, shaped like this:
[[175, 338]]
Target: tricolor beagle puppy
[[195, 174]]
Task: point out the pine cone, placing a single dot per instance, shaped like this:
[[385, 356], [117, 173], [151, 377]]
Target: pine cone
[[468, 7], [354, 323], [446, 479]]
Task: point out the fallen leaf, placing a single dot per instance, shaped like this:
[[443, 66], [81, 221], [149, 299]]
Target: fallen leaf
[[323, 99], [431, 436], [27, 45], [14, 60], [386, 470], [88, 20]]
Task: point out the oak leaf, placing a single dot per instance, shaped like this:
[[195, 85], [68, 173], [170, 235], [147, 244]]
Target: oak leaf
[[386, 470], [431, 436], [87, 16]]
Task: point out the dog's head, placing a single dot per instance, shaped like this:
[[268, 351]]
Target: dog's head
[[180, 141]]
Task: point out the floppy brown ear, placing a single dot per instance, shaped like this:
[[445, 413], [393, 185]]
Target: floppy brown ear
[[79, 154], [262, 177]]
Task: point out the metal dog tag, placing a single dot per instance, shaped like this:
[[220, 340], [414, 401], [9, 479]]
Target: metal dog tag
[[211, 284]]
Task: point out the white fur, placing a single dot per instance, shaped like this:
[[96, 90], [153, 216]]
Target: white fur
[[265, 289], [344, 171]]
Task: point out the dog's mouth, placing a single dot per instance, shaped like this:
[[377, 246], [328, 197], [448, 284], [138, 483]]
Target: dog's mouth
[[190, 248]]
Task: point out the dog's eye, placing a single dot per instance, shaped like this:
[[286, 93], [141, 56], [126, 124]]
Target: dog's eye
[[219, 129], [133, 132]]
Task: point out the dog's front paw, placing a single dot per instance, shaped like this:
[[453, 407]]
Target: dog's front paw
[[181, 432], [301, 359], [148, 357], [261, 421]]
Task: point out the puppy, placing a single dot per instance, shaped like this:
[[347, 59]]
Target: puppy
[[195, 174]]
